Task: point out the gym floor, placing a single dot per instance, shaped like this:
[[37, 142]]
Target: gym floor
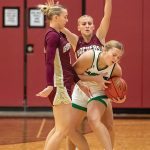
[[29, 133]]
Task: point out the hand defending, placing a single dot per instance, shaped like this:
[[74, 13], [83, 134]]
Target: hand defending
[[45, 92], [52, 2], [84, 88]]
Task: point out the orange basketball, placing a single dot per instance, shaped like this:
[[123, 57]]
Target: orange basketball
[[117, 88]]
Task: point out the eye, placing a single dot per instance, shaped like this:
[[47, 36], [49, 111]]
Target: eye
[[89, 23], [84, 23], [66, 17], [114, 55]]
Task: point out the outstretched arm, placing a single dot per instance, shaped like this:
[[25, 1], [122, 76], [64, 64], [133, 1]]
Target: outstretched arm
[[52, 40], [104, 25], [71, 37], [52, 2]]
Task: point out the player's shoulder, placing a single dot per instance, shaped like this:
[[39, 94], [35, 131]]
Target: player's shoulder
[[88, 55], [117, 71], [52, 33], [117, 66]]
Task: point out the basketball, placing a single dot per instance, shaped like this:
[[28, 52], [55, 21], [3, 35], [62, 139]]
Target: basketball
[[117, 88]]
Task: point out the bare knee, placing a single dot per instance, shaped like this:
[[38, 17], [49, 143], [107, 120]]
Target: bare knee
[[93, 120], [72, 132], [62, 132]]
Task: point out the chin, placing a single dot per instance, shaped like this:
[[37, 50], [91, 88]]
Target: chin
[[110, 64], [88, 34]]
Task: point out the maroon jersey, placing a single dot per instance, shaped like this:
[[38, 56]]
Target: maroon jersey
[[59, 71], [93, 44]]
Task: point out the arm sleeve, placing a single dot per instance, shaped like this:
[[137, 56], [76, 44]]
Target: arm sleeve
[[75, 76], [52, 41]]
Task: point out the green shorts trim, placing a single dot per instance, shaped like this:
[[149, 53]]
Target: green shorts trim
[[79, 107], [100, 99]]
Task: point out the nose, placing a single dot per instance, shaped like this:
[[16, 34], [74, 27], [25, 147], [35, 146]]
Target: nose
[[87, 25]]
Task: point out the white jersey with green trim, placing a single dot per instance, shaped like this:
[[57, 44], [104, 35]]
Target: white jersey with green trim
[[94, 70]]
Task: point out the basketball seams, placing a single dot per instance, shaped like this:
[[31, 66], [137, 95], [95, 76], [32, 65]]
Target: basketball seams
[[124, 86], [117, 88], [109, 95]]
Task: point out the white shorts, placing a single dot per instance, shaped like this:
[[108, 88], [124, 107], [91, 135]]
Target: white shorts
[[80, 100]]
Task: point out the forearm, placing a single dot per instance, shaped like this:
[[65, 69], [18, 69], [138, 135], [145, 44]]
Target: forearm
[[52, 39], [104, 25], [50, 75], [108, 8], [86, 78], [99, 79], [75, 76], [71, 37]]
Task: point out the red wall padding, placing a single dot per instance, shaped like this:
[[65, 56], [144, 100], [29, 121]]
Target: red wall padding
[[11, 59], [95, 9], [129, 24], [146, 55], [36, 79], [126, 26]]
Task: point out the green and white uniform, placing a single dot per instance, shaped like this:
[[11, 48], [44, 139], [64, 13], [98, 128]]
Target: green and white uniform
[[79, 99]]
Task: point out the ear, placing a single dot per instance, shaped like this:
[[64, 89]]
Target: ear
[[55, 17]]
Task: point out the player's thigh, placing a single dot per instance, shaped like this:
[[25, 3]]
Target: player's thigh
[[62, 115], [77, 117], [107, 118], [79, 99], [95, 110]]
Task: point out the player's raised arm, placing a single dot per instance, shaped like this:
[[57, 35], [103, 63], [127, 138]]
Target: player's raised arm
[[71, 37], [52, 2], [104, 25]]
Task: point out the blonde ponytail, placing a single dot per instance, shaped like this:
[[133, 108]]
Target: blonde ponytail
[[51, 10]]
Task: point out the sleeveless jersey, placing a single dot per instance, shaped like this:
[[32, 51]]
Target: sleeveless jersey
[[93, 44], [79, 99], [93, 71]]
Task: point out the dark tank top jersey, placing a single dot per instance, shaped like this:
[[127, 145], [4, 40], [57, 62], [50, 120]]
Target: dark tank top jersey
[[93, 44]]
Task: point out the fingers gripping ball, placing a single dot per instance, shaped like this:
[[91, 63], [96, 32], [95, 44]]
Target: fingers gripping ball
[[117, 88]]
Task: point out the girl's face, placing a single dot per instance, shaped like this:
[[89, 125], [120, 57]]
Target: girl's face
[[113, 55], [86, 26], [62, 19]]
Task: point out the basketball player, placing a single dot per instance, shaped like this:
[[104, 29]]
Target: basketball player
[[97, 62], [60, 74], [88, 40]]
